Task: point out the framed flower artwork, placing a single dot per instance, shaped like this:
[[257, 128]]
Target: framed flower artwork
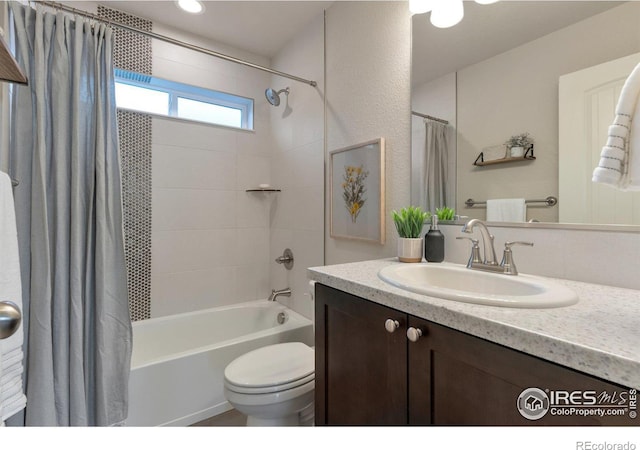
[[357, 192]]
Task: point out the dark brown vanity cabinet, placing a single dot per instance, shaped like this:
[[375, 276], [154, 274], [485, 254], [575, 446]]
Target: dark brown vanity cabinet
[[368, 372]]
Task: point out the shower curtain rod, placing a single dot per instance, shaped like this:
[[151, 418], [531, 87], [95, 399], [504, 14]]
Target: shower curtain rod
[[446, 122], [173, 41]]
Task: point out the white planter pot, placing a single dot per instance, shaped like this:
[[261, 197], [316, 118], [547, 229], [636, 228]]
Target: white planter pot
[[410, 249], [517, 152]]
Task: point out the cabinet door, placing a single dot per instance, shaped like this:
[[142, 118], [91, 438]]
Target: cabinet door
[[361, 369], [458, 379]]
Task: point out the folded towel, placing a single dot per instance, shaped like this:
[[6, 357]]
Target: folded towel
[[13, 357], [11, 373], [12, 397], [619, 164], [506, 210], [12, 389], [14, 405]]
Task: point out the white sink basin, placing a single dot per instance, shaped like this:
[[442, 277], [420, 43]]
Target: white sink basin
[[456, 282]]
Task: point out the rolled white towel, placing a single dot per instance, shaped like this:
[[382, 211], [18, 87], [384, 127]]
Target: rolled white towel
[[618, 131], [629, 93], [613, 152], [631, 166], [624, 174], [607, 176]]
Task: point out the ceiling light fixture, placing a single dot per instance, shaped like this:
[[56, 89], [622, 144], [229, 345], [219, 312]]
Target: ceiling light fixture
[[191, 6], [447, 13], [420, 6], [444, 13]]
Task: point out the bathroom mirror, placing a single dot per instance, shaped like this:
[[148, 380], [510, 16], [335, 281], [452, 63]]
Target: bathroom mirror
[[496, 74]]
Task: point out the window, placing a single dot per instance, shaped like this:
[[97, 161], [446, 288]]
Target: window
[[153, 95]]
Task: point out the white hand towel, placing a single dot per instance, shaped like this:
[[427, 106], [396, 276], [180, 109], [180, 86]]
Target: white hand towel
[[12, 398], [619, 164], [506, 210]]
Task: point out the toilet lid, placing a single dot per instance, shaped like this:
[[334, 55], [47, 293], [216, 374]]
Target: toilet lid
[[274, 365]]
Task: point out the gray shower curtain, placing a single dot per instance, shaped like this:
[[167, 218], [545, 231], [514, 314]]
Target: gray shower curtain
[[435, 165], [69, 215]]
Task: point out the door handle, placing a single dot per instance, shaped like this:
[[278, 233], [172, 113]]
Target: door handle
[[10, 318]]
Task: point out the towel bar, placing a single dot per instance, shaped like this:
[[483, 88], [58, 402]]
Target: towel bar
[[549, 201]]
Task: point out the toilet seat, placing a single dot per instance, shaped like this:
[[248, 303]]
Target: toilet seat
[[269, 389], [274, 368]]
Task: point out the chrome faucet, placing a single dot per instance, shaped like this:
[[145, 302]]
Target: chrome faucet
[[286, 292], [489, 263], [487, 240]]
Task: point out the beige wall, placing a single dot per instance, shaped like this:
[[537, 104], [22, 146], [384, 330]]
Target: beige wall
[[368, 66], [516, 92], [436, 98]]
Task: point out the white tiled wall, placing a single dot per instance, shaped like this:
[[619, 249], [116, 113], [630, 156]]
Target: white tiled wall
[[214, 243], [297, 219], [210, 243]]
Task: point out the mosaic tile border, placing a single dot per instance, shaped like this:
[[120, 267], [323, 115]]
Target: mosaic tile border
[[134, 52]]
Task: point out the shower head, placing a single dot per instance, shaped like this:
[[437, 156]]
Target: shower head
[[273, 97]]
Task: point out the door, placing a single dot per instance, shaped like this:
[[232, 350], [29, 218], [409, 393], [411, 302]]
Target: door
[[459, 379], [587, 102], [361, 368]]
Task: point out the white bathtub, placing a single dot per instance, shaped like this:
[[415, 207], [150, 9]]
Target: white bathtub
[[178, 362]]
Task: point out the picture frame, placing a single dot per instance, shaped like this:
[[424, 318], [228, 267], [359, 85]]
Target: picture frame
[[357, 192]]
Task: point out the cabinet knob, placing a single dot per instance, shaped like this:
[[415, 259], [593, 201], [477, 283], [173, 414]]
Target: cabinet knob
[[413, 334], [391, 325]]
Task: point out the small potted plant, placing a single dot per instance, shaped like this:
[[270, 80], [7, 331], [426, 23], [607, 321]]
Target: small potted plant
[[518, 144], [409, 222], [445, 213]]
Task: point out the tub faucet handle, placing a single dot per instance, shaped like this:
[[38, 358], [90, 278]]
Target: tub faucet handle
[[286, 259]]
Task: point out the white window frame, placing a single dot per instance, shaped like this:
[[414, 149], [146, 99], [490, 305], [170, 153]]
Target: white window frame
[[176, 89]]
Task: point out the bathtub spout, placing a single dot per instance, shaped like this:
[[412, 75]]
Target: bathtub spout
[[275, 294]]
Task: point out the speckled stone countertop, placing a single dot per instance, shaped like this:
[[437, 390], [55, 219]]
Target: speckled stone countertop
[[600, 335]]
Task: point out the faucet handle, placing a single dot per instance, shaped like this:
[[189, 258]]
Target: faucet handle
[[508, 245], [507, 258], [475, 251]]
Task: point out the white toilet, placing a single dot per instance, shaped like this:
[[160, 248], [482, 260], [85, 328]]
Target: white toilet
[[273, 385]]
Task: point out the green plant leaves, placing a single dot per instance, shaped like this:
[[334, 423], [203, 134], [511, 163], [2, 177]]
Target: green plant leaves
[[445, 213], [409, 221]]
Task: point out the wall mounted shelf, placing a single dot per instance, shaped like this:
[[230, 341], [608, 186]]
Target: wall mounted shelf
[[263, 190], [528, 156], [502, 160]]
